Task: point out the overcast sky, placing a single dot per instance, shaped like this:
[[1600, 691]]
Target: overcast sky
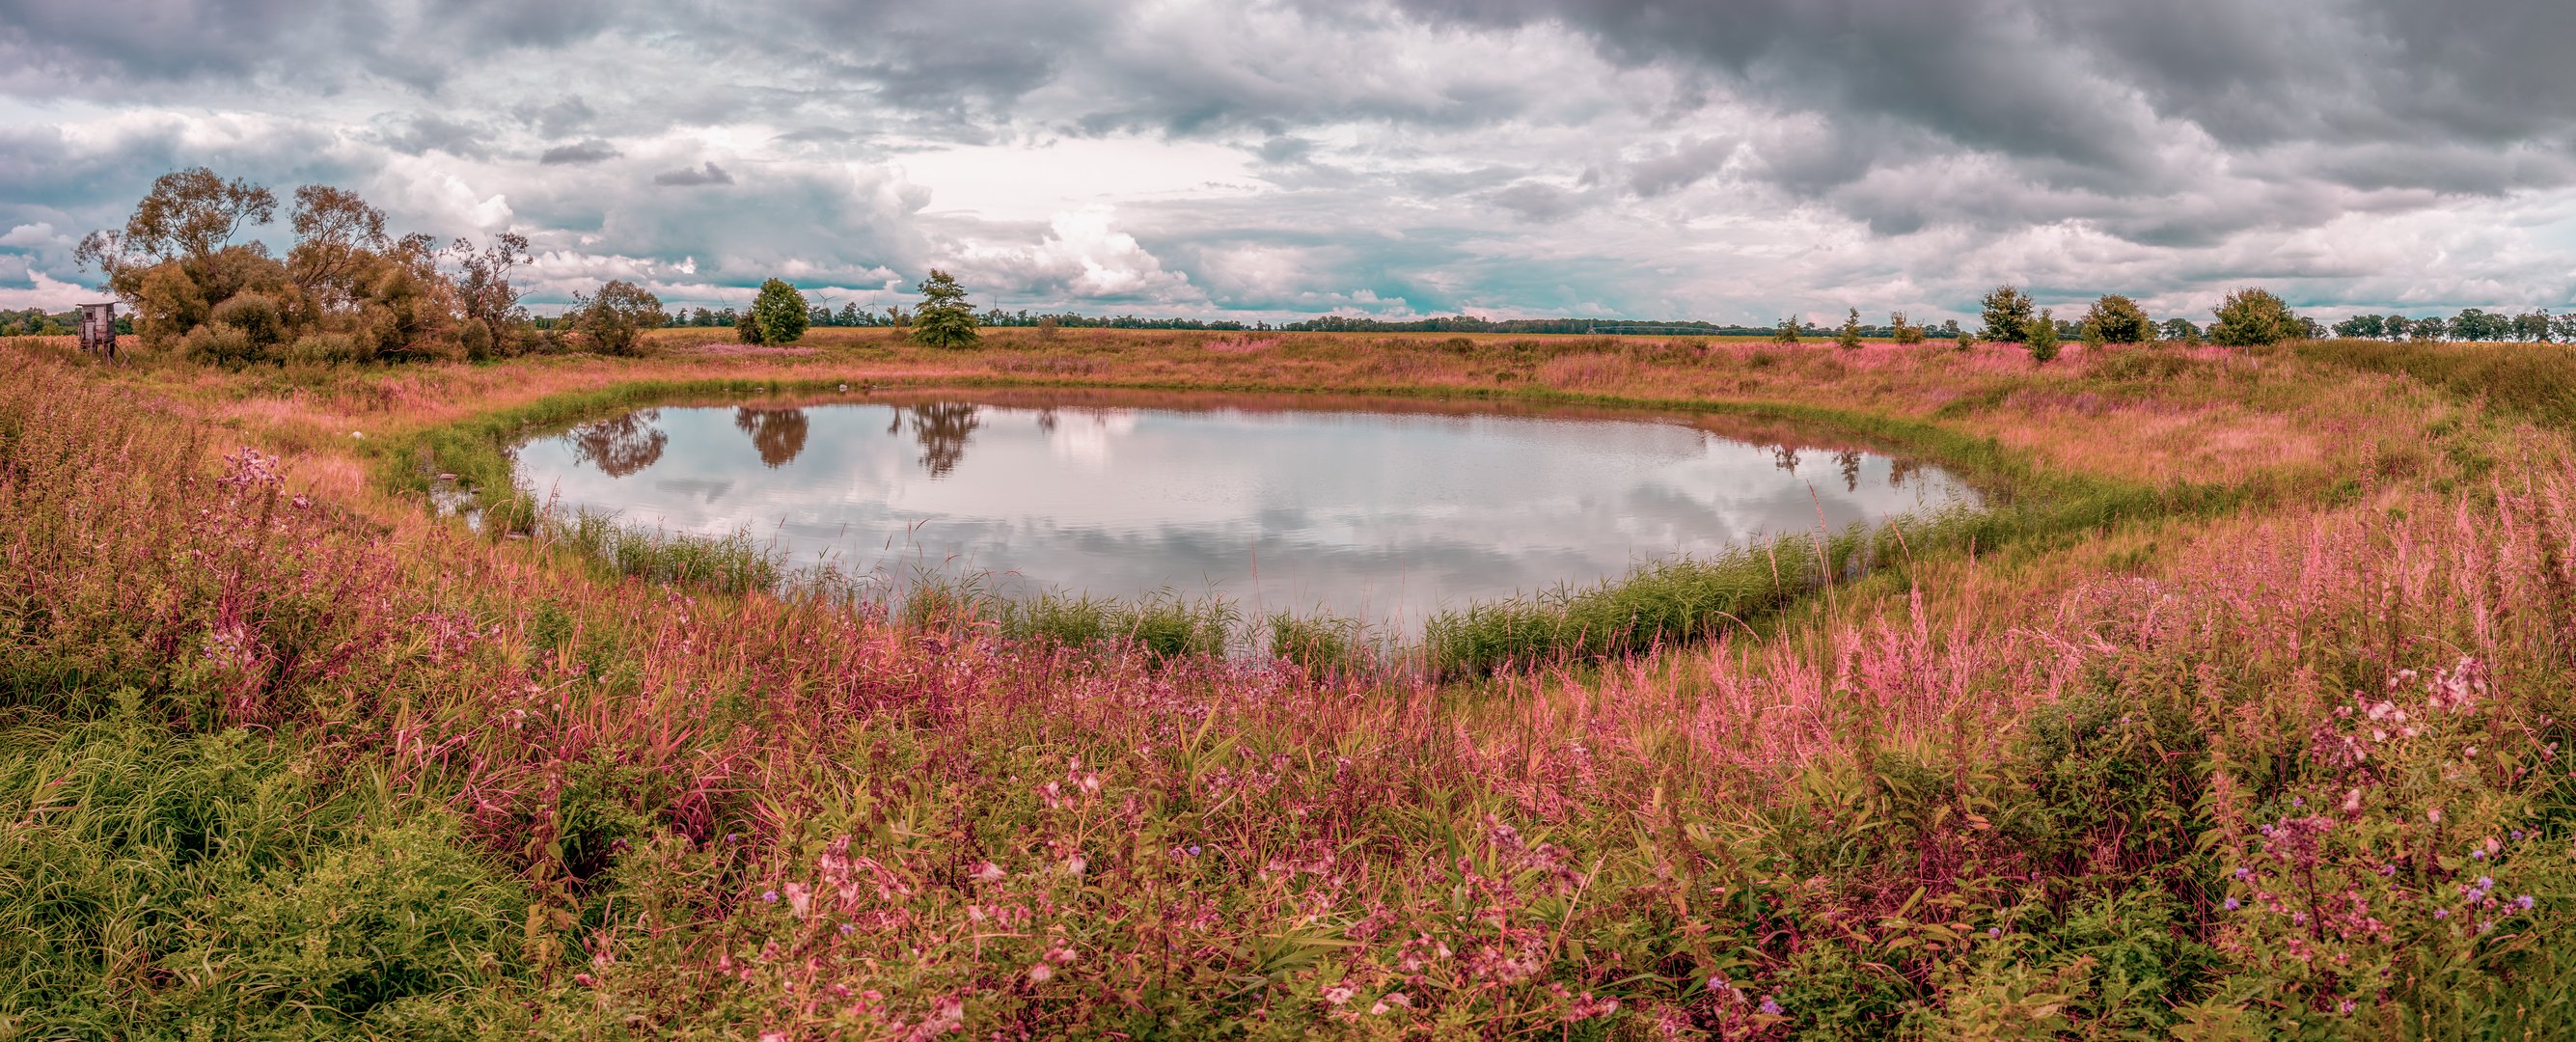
[[1732, 161]]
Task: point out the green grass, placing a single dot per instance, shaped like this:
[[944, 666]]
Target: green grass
[[1163, 625], [2535, 381], [734, 563], [221, 881]]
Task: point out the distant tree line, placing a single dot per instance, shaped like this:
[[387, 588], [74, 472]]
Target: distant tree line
[[2471, 324], [39, 322], [850, 315]]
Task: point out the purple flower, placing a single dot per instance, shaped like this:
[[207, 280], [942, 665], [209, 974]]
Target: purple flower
[[2477, 855], [2267, 830], [847, 929], [2298, 801], [770, 896], [2524, 901], [1997, 931], [1194, 850], [2231, 904], [2517, 835], [2486, 883], [2242, 873], [2441, 913], [1769, 1008]]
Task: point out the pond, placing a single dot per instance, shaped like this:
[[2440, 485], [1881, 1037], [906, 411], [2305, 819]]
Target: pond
[[1381, 511]]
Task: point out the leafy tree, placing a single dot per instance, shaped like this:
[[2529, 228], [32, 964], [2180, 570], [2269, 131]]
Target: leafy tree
[[2427, 328], [1950, 328], [2480, 324], [336, 235], [2119, 320], [1848, 337], [1904, 333], [188, 215], [2532, 326], [2007, 315], [944, 319], [2361, 327], [1786, 333], [851, 315], [2562, 328], [1965, 341], [778, 315], [2250, 317], [2181, 331], [487, 299], [2041, 337], [614, 321]]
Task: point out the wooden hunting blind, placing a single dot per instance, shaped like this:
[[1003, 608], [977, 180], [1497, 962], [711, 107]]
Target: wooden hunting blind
[[98, 329]]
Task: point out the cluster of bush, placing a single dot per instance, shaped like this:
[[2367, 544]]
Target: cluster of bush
[[347, 291]]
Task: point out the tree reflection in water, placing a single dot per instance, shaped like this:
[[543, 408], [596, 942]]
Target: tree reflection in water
[[779, 434], [622, 445], [943, 429]]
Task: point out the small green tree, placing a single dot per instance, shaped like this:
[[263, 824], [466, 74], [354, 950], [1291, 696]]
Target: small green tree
[[1966, 341], [2250, 317], [614, 321], [1786, 333], [1905, 333], [944, 319], [1848, 337], [778, 315], [2119, 320], [2007, 314], [2041, 337]]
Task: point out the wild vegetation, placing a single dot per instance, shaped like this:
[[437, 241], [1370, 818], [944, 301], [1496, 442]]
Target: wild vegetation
[[2239, 717]]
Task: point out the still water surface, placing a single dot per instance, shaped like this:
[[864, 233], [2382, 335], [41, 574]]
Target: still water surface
[[1387, 512]]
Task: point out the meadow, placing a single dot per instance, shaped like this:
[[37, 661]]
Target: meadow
[[2235, 716]]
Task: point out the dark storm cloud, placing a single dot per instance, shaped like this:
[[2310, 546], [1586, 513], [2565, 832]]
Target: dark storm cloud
[[418, 133], [2113, 99], [591, 151], [710, 174]]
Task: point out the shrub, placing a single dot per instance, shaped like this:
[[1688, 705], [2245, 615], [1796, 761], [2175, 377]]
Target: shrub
[[215, 344], [614, 321], [778, 315], [2007, 315], [2118, 320], [1905, 333], [2253, 317], [1848, 337], [944, 319], [329, 349], [2041, 337]]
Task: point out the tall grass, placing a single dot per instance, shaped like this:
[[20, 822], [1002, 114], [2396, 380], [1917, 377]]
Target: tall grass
[[2537, 381], [734, 563], [273, 766]]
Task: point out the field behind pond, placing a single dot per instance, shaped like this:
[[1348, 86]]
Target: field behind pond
[[2244, 723]]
